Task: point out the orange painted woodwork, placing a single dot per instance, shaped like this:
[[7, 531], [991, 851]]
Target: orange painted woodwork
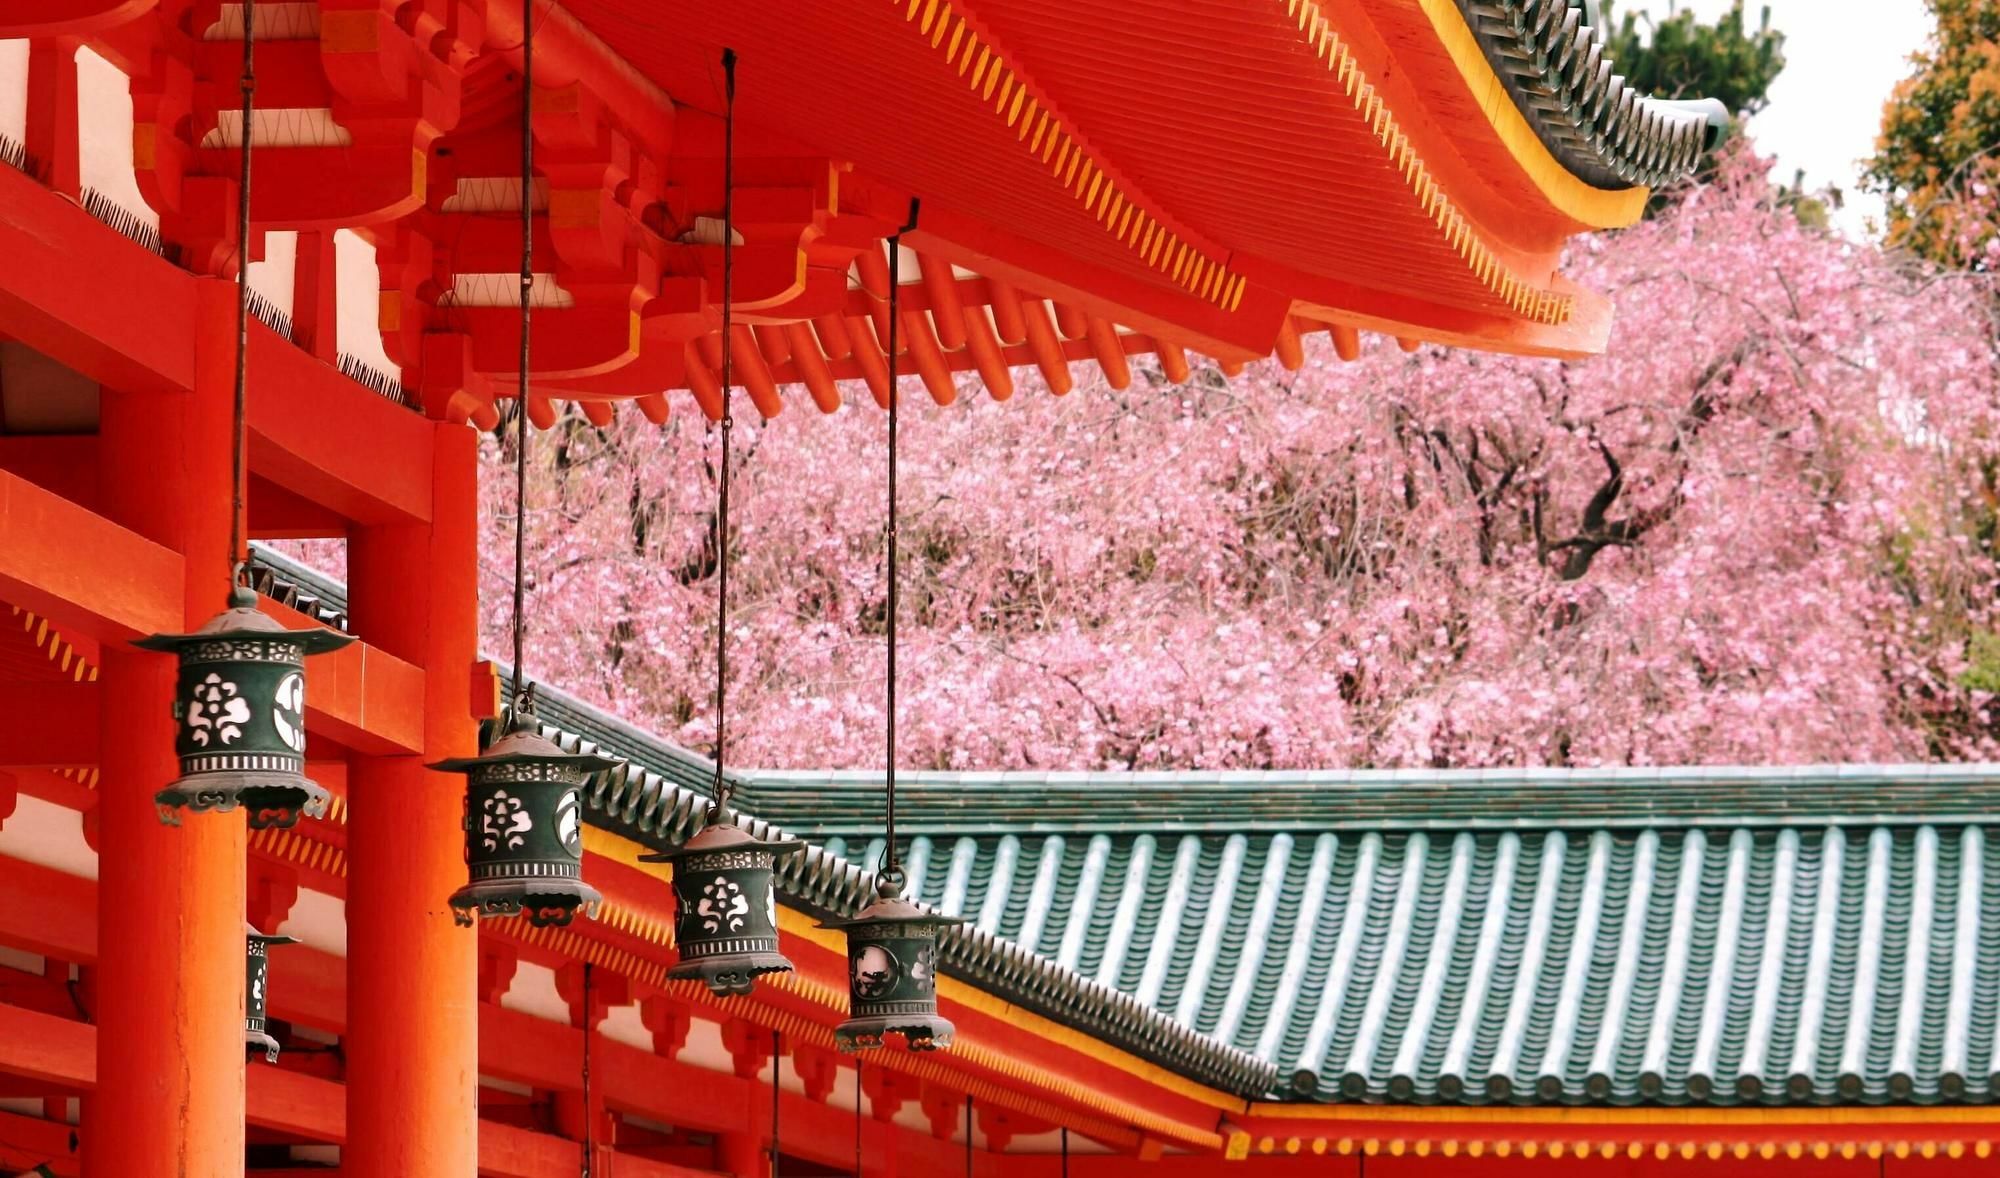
[[412, 1038], [365, 698], [170, 898], [82, 569], [130, 326]]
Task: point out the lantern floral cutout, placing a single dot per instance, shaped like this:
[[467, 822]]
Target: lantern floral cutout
[[256, 972], [892, 951], [523, 827], [726, 906], [239, 705]]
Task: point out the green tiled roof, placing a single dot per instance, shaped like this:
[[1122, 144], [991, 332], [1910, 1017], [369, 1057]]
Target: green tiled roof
[[1551, 57], [1618, 938], [1727, 936]]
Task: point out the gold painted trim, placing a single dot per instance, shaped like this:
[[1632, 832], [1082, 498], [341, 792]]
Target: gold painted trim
[[1043, 133], [1240, 1144], [793, 923], [1568, 195], [1710, 1117], [1524, 298], [68, 659]]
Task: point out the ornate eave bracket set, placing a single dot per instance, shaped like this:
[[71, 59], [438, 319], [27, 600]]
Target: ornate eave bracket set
[[398, 122]]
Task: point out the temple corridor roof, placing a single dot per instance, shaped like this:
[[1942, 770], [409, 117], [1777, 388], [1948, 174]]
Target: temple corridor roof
[[1729, 936]]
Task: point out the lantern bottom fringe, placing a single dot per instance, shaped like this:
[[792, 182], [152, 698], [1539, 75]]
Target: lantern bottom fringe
[[866, 1034], [546, 903], [256, 1040], [732, 976], [266, 804]]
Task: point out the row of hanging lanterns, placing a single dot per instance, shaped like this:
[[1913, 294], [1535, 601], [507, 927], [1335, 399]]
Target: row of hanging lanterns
[[240, 737]]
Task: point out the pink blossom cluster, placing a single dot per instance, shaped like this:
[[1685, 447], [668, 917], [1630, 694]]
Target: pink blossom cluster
[[1759, 529]]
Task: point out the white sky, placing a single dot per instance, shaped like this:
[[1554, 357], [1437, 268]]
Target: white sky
[[1842, 57]]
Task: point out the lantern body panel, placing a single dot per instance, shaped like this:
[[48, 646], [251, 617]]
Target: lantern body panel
[[256, 974], [524, 843], [892, 954], [524, 829], [726, 907], [726, 921], [239, 710]]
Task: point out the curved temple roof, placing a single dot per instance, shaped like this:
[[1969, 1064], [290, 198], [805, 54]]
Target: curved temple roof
[[1820, 935], [1814, 935], [1550, 55]]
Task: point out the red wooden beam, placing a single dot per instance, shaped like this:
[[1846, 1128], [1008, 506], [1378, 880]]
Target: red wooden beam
[[80, 569], [58, 917], [27, 1142], [78, 292], [317, 433], [365, 698], [62, 1053], [64, 731], [48, 1048]]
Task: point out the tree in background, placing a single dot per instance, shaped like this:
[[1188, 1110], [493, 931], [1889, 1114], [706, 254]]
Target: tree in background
[[1937, 161], [1677, 56], [1758, 530]]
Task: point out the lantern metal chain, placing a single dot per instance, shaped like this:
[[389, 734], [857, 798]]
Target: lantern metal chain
[[527, 288], [589, 1114], [777, 1065], [890, 870], [238, 440], [721, 807]]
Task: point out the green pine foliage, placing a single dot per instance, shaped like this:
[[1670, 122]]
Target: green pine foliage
[[1677, 56]]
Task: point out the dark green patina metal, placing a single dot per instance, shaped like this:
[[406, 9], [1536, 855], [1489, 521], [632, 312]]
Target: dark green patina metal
[[256, 974], [726, 906], [239, 705], [892, 963], [524, 827]]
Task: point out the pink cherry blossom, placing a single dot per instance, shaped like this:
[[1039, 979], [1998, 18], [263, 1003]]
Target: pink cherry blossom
[[1758, 529]]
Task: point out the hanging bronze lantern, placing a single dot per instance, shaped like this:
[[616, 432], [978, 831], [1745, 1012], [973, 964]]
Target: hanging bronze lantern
[[256, 968], [524, 827], [240, 702], [892, 952], [726, 906]]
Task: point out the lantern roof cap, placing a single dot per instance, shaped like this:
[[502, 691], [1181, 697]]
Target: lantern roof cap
[[250, 932], [890, 907], [244, 620], [524, 744], [722, 834]]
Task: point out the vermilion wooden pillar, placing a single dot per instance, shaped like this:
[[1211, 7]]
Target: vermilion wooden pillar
[[169, 1097], [412, 976]]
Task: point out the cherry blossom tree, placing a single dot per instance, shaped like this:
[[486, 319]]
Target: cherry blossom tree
[[1759, 529]]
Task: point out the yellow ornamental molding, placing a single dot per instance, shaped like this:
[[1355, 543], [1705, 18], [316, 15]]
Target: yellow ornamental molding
[[1526, 299], [68, 659], [1596, 208], [1042, 134], [1241, 1144]]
